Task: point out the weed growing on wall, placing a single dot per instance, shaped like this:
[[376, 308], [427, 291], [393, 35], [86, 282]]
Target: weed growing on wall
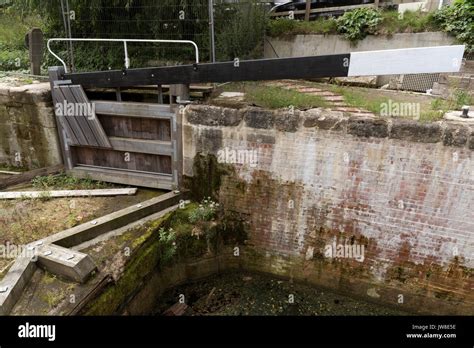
[[168, 243], [357, 24], [205, 212]]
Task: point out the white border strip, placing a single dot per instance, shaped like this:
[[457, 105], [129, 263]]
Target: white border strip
[[407, 61]]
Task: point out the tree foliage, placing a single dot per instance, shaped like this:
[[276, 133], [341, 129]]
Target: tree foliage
[[239, 29], [458, 20]]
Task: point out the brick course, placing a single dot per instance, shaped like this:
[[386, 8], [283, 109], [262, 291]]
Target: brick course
[[403, 190]]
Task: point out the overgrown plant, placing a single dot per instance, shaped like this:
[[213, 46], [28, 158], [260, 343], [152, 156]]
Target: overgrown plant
[[240, 29], [205, 212], [357, 24], [458, 20], [390, 23], [168, 243], [13, 27], [66, 182]]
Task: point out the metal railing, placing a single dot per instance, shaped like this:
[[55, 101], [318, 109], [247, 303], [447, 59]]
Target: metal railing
[[125, 41]]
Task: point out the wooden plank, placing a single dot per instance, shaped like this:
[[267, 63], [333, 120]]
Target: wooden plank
[[93, 121], [142, 162], [177, 158], [62, 120], [68, 193], [307, 10], [64, 142], [154, 147], [9, 172], [132, 109], [27, 176], [71, 120], [131, 127], [81, 118], [334, 65], [124, 177]]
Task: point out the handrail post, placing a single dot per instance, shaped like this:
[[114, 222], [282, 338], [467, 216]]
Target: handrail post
[[127, 60]]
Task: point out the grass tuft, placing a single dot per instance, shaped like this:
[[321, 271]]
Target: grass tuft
[[275, 97]]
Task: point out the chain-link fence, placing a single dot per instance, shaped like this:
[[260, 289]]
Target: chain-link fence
[[239, 30]]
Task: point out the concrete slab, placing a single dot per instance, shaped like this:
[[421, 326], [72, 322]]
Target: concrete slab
[[12, 285], [81, 233], [456, 116], [65, 262]]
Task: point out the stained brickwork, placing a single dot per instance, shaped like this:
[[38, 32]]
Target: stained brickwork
[[401, 189]]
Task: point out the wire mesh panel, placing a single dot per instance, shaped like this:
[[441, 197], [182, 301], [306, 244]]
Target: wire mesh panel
[[239, 30], [419, 82]]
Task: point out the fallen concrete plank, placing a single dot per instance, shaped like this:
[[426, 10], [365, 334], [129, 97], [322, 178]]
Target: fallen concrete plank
[[27, 176], [121, 230], [64, 262], [9, 172], [89, 230], [12, 285], [68, 193]]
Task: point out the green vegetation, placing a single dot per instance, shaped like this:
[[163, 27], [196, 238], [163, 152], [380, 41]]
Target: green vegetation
[[411, 22], [205, 212], [357, 24], [429, 111], [275, 97], [457, 19], [168, 241], [13, 27], [66, 182], [284, 26], [239, 30], [373, 100]]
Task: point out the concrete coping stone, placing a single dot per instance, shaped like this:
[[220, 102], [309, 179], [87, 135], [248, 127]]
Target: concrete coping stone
[[448, 132]]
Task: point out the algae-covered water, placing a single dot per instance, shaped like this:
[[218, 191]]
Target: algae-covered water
[[242, 293]]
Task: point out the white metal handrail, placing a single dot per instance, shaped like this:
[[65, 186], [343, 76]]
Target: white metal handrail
[[127, 59]]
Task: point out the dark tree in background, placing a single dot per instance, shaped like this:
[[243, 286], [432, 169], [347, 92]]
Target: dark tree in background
[[239, 29]]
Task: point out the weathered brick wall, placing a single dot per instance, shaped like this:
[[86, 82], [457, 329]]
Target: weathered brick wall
[[403, 190], [28, 135]]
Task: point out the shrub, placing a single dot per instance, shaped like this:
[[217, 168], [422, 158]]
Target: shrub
[[285, 26], [357, 24], [458, 20], [281, 26]]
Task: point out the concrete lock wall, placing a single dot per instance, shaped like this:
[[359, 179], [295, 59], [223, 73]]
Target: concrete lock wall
[[313, 45], [310, 182], [28, 135]]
